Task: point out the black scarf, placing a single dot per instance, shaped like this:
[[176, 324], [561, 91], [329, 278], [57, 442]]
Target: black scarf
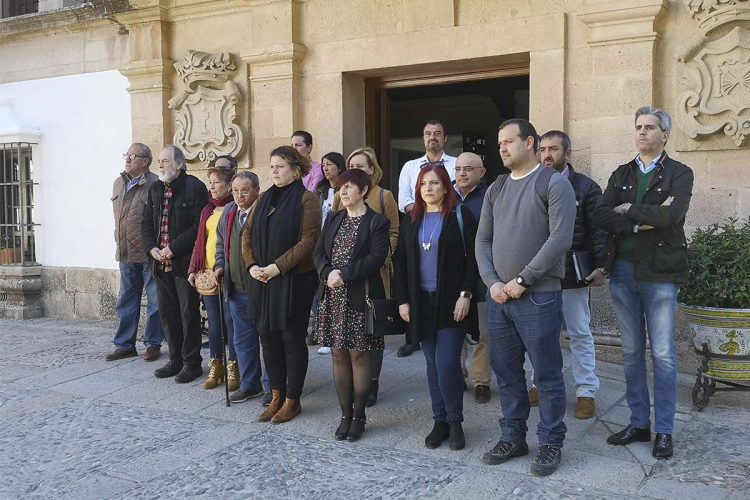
[[276, 229]]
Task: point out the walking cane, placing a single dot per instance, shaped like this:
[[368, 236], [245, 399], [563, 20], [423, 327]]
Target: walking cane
[[223, 342]]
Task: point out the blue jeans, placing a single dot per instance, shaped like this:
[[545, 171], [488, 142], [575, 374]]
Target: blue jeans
[[577, 313], [214, 330], [133, 279], [530, 324], [641, 306], [246, 345], [442, 352]]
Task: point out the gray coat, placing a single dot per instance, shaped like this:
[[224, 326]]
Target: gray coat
[[223, 233]]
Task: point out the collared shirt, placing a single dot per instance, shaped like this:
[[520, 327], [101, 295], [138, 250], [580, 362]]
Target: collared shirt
[[566, 172], [652, 165], [166, 265], [407, 179], [133, 182]]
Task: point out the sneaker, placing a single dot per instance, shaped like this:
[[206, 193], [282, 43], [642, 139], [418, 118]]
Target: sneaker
[[585, 408], [152, 353], [547, 460], [406, 350], [324, 350], [504, 451], [121, 354], [188, 374], [240, 395], [267, 398], [171, 369], [533, 397]]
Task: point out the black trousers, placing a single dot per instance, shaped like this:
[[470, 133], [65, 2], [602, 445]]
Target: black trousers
[[285, 352], [180, 315]]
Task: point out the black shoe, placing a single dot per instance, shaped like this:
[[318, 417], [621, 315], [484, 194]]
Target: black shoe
[[343, 429], [547, 460], [356, 429], [372, 398], [662, 446], [240, 395], [482, 394], [504, 451], [440, 432], [188, 374], [406, 350], [456, 440], [171, 369], [267, 398], [630, 435]]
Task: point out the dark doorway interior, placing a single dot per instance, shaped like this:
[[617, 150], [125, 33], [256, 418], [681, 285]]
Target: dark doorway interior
[[471, 111]]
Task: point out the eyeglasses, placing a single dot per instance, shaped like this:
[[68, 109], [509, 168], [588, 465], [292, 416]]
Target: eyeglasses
[[128, 156], [244, 192], [468, 169]]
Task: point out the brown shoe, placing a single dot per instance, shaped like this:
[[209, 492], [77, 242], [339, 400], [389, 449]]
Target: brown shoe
[[533, 397], [152, 353], [585, 408], [272, 408], [482, 394], [121, 354], [287, 412]]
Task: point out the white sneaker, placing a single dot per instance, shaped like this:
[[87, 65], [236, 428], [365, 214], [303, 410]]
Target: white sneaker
[[324, 350]]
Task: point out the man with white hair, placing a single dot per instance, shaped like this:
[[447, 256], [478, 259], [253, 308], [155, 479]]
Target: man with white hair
[[169, 229]]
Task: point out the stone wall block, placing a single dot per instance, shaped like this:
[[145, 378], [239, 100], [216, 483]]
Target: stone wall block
[[58, 305], [710, 205], [90, 280], [439, 14], [88, 305], [613, 134]]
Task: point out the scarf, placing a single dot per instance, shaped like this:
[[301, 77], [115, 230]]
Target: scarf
[[200, 240], [277, 224]]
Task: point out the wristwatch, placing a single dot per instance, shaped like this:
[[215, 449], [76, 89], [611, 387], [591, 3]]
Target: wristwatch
[[466, 295], [521, 282]]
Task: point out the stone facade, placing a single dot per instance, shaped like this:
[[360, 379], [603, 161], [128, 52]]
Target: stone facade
[[282, 65]]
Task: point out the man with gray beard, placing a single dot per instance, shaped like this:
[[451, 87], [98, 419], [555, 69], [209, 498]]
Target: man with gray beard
[[169, 229]]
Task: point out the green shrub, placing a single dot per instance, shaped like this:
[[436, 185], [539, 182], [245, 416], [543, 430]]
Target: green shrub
[[719, 257]]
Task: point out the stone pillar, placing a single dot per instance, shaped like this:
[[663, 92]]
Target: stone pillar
[[622, 36], [149, 72], [20, 292]]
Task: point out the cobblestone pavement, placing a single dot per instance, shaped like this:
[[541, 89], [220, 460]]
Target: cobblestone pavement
[[75, 426]]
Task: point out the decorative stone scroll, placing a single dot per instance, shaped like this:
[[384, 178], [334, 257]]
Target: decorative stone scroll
[[711, 14], [716, 82], [207, 106]]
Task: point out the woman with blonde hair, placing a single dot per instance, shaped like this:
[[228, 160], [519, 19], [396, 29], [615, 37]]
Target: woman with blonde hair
[[382, 202]]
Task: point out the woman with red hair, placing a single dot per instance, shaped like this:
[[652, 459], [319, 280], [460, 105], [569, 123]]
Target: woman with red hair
[[435, 272]]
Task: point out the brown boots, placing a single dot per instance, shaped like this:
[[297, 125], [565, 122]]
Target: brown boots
[[280, 410], [233, 375], [215, 374]]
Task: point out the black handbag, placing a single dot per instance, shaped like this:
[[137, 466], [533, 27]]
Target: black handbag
[[381, 316]]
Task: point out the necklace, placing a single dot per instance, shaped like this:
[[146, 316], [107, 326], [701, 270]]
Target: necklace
[[426, 246]]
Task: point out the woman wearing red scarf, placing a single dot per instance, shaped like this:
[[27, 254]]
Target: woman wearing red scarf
[[204, 256]]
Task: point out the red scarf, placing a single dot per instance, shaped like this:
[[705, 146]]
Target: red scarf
[[200, 241]]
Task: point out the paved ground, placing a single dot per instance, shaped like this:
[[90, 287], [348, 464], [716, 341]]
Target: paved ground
[[75, 426]]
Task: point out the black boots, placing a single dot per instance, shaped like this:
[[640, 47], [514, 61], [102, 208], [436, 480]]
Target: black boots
[[440, 433]]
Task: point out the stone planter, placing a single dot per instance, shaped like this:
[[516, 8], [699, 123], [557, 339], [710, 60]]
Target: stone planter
[[20, 292], [722, 338]]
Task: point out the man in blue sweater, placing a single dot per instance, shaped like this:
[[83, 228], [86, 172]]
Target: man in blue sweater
[[524, 232]]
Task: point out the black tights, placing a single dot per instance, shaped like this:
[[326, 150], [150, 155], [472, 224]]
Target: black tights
[[352, 374]]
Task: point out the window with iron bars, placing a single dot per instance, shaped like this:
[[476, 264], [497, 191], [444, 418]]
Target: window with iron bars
[[17, 202], [13, 8]]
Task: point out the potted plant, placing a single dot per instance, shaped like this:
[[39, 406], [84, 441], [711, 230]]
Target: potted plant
[[716, 302]]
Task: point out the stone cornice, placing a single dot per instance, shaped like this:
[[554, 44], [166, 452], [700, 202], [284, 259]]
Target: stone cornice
[[275, 54], [77, 18], [147, 76], [624, 21]]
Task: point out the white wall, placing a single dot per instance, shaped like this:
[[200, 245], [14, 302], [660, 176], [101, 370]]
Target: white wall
[[85, 125]]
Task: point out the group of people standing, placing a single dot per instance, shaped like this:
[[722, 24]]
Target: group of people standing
[[493, 268]]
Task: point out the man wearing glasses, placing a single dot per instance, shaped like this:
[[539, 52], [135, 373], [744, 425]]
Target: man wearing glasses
[[129, 195], [470, 188]]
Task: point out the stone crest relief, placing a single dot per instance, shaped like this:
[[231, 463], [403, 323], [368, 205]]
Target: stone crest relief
[[207, 106], [716, 84]]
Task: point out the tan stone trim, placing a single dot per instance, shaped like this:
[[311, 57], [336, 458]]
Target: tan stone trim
[[626, 21], [147, 76], [43, 24], [275, 54]]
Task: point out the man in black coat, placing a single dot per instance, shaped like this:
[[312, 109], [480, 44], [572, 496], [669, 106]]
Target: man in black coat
[[584, 266], [169, 229]]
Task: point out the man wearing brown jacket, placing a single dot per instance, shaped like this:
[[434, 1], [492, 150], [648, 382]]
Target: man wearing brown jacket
[[129, 195]]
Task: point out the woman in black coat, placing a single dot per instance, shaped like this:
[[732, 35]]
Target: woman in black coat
[[435, 273], [348, 257]]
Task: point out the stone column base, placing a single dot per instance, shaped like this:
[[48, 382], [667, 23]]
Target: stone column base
[[20, 292]]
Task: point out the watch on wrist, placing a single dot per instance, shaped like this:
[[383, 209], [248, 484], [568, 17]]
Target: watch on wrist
[[521, 282], [466, 295]]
